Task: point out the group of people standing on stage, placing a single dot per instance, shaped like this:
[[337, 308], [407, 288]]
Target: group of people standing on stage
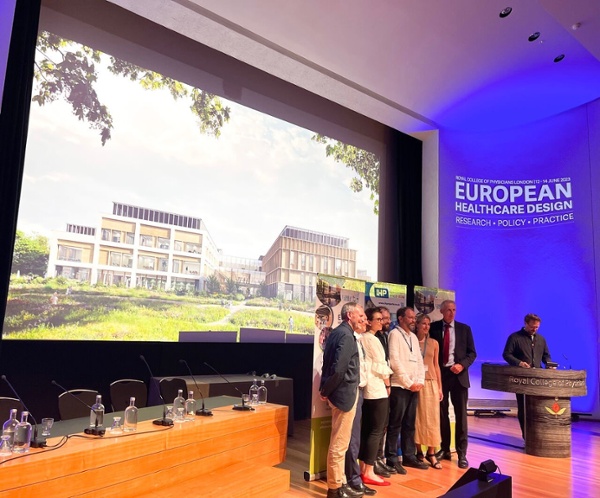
[[389, 390]]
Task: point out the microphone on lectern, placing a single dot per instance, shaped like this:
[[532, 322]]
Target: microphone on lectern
[[94, 431], [35, 443], [164, 420], [243, 407], [203, 412]]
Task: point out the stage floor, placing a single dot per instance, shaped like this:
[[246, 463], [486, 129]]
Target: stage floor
[[498, 439]]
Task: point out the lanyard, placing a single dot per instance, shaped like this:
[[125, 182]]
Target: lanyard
[[424, 348], [408, 343]]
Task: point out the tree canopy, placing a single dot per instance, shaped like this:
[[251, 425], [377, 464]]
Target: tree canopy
[[365, 164], [30, 255], [68, 70]]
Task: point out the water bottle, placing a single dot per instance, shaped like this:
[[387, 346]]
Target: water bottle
[[179, 402], [190, 407], [22, 435], [253, 393], [97, 413], [8, 429], [262, 393], [130, 417]]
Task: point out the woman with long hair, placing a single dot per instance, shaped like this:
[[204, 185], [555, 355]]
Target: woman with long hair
[[427, 426]]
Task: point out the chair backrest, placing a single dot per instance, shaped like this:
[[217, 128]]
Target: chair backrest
[[169, 387], [6, 405], [69, 407], [123, 389]]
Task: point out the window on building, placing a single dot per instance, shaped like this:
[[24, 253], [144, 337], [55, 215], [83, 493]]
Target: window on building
[[147, 240], [127, 261], [163, 243], [115, 259], [178, 245], [193, 248], [311, 262], [105, 234], [191, 269], [146, 262], [176, 266], [129, 238], [116, 236], [163, 264], [303, 261], [66, 253], [292, 259], [338, 266]]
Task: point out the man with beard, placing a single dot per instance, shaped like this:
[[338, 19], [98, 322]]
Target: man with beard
[[406, 381]]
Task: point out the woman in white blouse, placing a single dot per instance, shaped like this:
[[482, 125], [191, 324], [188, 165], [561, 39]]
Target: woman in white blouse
[[376, 403]]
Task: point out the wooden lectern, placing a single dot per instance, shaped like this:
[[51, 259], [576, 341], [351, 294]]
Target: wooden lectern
[[548, 394]]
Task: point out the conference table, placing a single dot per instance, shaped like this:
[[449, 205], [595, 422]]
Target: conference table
[[212, 456], [280, 390]]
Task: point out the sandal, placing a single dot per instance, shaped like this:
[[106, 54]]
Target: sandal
[[433, 461], [420, 456]]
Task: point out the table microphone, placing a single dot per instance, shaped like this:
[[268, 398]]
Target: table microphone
[[203, 412], [243, 407], [35, 443], [94, 431], [164, 421]]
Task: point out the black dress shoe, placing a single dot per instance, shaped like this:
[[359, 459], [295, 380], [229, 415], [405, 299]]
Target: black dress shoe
[[414, 463], [397, 467], [337, 493], [443, 455], [363, 489], [463, 463], [353, 492], [381, 469], [387, 468]]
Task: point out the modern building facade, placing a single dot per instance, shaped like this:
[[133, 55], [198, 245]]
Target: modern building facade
[[136, 247], [296, 257]]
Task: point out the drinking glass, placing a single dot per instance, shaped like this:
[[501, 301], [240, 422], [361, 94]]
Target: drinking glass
[[5, 446], [47, 424], [116, 426]]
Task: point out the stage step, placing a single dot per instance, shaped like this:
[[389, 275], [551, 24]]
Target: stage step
[[247, 481]]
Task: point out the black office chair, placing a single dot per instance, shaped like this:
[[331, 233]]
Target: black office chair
[[69, 407], [169, 387], [7, 404], [123, 389]]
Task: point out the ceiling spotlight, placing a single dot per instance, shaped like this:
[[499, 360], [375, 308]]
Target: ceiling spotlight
[[559, 58], [576, 26], [505, 12], [534, 36]]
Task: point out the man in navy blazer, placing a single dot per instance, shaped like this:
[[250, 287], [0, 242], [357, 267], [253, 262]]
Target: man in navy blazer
[[339, 387], [457, 354]]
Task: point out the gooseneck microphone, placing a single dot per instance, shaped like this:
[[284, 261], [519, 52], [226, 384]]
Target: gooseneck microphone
[[243, 407], [94, 431], [203, 412], [164, 421], [35, 443]]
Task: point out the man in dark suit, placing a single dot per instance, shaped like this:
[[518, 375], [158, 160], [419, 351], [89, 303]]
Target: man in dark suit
[[457, 354], [339, 387]]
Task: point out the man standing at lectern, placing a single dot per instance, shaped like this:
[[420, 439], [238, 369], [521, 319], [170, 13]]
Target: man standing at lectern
[[457, 354], [527, 349]]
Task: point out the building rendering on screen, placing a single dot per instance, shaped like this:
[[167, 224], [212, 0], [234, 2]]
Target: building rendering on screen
[[136, 247], [296, 257], [147, 248]]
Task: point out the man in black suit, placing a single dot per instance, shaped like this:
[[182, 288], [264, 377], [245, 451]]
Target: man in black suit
[[339, 387], [526, 348], [457, 354]]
